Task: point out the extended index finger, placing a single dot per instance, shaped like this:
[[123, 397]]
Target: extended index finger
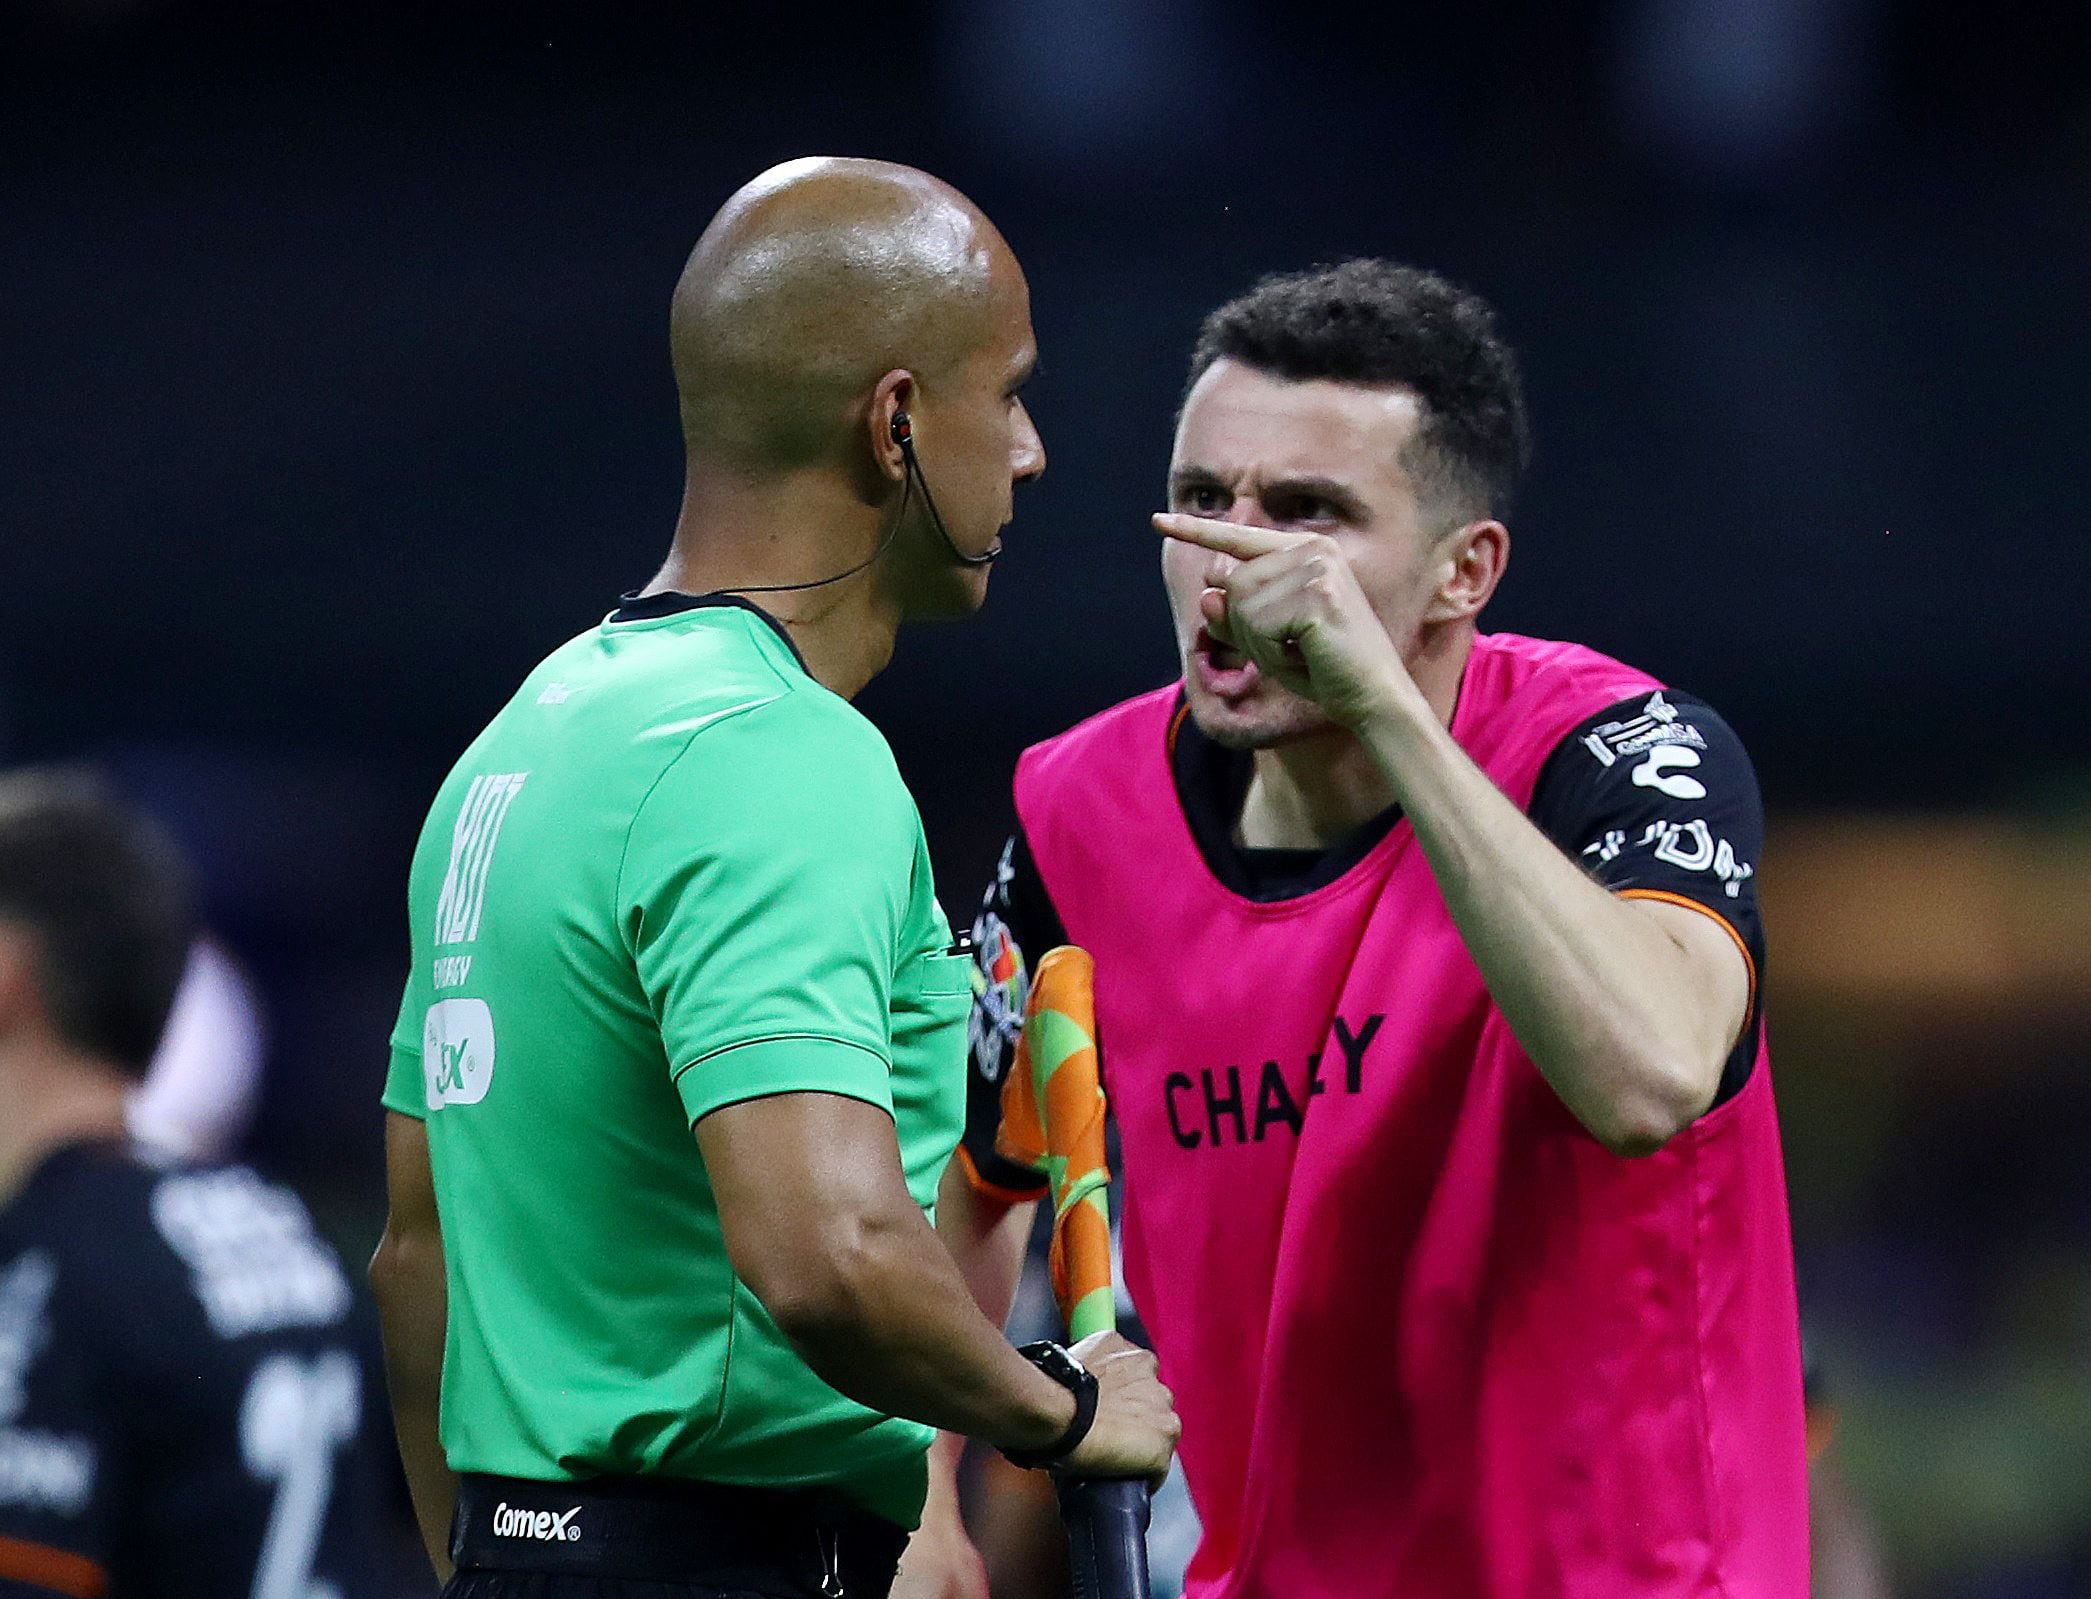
[[1224, 538]]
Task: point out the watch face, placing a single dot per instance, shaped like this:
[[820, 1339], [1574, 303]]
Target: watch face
[[1055, 1362]]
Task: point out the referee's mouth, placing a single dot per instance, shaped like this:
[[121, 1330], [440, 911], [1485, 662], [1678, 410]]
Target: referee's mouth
[[1220, 669]]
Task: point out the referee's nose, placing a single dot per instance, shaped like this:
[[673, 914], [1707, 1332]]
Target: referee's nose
[[1027, 453]]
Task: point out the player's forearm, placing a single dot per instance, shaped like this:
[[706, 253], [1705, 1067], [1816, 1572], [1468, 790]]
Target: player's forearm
[[406, 1277], [1597, 993], [888, 1320], [986, 1239]]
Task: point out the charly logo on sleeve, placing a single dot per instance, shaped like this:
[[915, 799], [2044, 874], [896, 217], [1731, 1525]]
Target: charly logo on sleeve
[[1655, 772]]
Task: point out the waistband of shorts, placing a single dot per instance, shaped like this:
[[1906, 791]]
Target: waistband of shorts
[[788, 1543]]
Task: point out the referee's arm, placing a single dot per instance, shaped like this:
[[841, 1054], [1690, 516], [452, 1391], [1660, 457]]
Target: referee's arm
[[406, 1275], [821, 1227], [775, 890]]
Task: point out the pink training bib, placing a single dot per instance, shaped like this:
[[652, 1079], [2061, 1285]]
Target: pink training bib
[[1428, 1337]]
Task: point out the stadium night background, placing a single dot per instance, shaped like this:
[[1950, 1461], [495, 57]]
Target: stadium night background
[[339, 396]]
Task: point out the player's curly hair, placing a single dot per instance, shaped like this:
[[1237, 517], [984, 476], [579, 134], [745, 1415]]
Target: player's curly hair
[[105, 897], [1381, 324]]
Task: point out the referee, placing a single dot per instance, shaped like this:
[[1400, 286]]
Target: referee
[[678, 883]]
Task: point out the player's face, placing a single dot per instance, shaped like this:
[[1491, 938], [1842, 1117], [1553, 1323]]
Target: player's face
[[1317, 457], [976, 442]]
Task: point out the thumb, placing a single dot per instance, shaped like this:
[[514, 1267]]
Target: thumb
[[1212, 605]]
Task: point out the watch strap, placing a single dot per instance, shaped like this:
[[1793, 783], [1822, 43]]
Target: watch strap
[[1064, 1369]]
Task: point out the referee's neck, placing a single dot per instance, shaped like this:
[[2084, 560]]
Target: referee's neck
[[736, 537]]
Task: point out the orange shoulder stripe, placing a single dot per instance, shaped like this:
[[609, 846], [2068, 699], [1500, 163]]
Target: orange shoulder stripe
[[56, 1570], [1720, 921]]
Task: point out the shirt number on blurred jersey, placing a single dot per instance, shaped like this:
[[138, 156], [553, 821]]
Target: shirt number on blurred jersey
[[295, 1418]]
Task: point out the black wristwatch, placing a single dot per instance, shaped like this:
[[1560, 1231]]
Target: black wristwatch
[[1078, 1380]]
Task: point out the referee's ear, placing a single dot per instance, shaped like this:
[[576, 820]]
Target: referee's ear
[[889, 420], [1466, 567]]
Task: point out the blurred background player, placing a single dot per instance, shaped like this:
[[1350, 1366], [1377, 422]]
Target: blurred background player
[[198, 1098], [1427, 995], [678, 884], [181, 1400]]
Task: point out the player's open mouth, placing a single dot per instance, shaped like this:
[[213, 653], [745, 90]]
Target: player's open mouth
[[1220, 668]]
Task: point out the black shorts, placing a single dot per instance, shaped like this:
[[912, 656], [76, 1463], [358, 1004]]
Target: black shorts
[[543, 1585], [634, 1538]]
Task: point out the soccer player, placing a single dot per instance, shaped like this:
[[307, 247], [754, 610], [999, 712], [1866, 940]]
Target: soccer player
[[1427, 973], [677, 883], [181, 1404]]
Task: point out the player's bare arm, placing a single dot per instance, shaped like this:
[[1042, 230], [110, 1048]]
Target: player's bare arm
[[821, 1227], [985, 1236], [985, 1232], [406, 1274], [1629, 1007]]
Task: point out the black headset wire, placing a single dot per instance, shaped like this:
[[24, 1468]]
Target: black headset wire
[[903, 435]]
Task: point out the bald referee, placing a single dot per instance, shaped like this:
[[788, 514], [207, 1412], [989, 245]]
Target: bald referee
[[677, 883]]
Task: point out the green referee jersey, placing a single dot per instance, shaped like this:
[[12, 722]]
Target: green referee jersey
[[674, 873]]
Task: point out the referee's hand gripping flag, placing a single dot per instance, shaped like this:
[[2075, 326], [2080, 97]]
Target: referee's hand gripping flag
[[1053, 1117]]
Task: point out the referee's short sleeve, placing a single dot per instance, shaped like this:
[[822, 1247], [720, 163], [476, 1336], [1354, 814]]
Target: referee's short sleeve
[[405, 1086], [763, 893]]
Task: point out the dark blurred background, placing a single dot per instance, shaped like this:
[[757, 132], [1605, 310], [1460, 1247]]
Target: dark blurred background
[[336, 395]]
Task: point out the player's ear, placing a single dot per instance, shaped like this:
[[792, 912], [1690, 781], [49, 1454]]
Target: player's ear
[[1468, 564]]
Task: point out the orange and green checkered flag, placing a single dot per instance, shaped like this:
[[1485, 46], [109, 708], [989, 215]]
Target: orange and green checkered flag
[[1053, 1119]]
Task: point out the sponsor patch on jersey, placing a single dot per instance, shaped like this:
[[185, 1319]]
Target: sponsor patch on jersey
[[478, 830], [1689, 845], [457, 1052], [1658, 724], [1692, 846]]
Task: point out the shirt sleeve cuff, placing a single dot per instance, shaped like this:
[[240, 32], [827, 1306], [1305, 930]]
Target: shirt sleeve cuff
[[1002, 1180], [800, 1063], [405, 1089]]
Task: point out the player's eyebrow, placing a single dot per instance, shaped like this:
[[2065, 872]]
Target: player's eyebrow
[[1340, 495], [1186, 478], [1306, 487], [1025, 372]]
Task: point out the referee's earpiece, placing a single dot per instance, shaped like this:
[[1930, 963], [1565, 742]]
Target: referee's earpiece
[[902, 428]]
